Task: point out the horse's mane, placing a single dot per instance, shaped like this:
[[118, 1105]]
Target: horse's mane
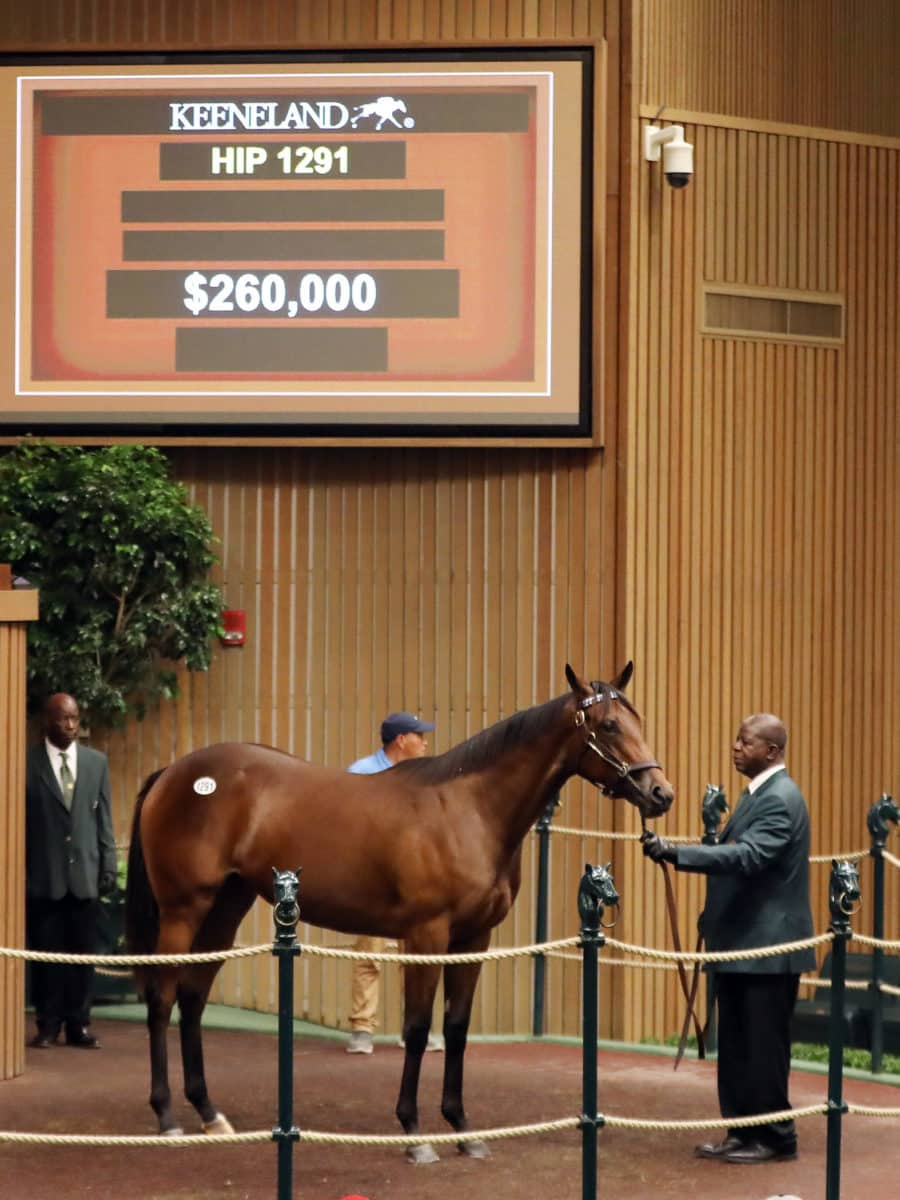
[[484, 748]]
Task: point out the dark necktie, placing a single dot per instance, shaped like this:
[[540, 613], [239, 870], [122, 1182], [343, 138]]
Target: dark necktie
[[68, 783]]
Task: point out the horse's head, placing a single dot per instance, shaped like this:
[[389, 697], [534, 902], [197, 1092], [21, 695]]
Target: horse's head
[[883, 810], [612, 752], [844, 894]]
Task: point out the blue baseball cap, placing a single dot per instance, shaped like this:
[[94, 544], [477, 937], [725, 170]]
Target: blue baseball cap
[[402, 722]]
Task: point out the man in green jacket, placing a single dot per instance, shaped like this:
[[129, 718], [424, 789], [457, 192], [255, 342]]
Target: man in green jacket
[[757, 895], [70, 860]]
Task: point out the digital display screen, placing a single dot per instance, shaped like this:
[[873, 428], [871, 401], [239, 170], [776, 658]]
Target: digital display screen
[[368, 246]]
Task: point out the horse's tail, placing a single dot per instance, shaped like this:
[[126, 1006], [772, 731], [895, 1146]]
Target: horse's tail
[[141, 909]]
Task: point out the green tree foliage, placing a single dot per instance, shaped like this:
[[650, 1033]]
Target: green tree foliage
[[122, 560]]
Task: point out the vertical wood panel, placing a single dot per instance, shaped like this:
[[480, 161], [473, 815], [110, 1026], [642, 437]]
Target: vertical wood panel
[[782, 481], [768, 60]]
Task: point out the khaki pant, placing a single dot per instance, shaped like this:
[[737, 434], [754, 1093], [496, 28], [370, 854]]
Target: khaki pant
[[364, 986]]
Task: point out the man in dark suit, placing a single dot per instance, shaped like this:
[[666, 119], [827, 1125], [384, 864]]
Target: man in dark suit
[[757, 895], [70, 860]]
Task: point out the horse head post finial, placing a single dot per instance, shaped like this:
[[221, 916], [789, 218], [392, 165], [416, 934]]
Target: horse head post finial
[[286, 909], [715, 805], [883, 810], [843, 895], [596, 892]]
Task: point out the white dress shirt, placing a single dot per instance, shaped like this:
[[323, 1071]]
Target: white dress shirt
[[758, 780]]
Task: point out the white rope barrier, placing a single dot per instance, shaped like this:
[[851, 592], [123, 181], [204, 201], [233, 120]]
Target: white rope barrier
[[852, 856], [785, 1114], [871, 941], [484, 956], [895, 862], [615, 962], [136, 960], [318, 1137], [720, 955], [148, 1140], [814, 981], [606, 835]]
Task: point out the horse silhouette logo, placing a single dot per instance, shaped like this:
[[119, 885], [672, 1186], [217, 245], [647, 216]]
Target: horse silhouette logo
[[385, 108]]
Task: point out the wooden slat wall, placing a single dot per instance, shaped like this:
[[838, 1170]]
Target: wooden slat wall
[[290, 24], [824, 63], [762, 494]]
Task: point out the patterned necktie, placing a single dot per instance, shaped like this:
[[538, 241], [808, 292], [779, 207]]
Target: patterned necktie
[[68, 783]]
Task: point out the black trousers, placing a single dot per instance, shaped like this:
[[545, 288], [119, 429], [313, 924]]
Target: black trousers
[[61, 992], [755, 1052]]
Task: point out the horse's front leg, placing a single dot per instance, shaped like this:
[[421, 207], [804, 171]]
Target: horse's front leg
[[459, 991], [420, 984]]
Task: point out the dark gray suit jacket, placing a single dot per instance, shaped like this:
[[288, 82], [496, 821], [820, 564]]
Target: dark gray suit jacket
[[67, 851], [757, 893]]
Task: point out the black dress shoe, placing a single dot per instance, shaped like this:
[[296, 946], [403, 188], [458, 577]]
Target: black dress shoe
[[43, 1041], [758, 1152], [718, 1149], [82, 1039]]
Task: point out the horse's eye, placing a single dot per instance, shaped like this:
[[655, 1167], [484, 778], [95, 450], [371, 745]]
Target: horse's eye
[[609, 726]]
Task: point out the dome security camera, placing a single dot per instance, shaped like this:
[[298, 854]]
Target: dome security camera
[[677, 154]]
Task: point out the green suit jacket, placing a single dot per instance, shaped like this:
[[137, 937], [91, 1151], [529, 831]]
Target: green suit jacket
[[757, 893], [67, 851]]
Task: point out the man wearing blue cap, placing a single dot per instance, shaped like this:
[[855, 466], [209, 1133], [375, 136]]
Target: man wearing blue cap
[[402, 736]]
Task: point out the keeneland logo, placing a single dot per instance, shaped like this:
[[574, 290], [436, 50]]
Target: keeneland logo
[[192, 116]]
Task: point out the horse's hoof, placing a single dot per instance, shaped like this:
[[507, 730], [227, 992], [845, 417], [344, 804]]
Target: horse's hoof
[[219, 1124], [474, 1149], [175, 1131], [421, 1154]]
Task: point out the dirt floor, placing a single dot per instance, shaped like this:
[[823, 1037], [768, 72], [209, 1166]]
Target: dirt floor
[[74, 1091]]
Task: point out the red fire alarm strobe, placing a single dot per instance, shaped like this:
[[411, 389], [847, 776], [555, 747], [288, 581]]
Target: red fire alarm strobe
[[234, 627]]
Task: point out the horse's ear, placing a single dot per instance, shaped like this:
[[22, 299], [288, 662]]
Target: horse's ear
[[622, 682], [576, 684]]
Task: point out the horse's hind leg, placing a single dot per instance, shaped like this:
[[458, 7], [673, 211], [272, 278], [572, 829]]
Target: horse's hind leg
[[216, 933], [159, 994], [176, 931], [459, 989]]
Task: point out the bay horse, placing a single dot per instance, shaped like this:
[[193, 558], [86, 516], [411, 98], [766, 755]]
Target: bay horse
[[428, 852]]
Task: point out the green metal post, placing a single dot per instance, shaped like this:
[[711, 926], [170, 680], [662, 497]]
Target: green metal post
[[286, 949], [595, 892], [877, 961], [540, 932], [844, 894], [879, 814]]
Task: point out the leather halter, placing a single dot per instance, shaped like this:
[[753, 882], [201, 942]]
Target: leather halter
[[623, 770]]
